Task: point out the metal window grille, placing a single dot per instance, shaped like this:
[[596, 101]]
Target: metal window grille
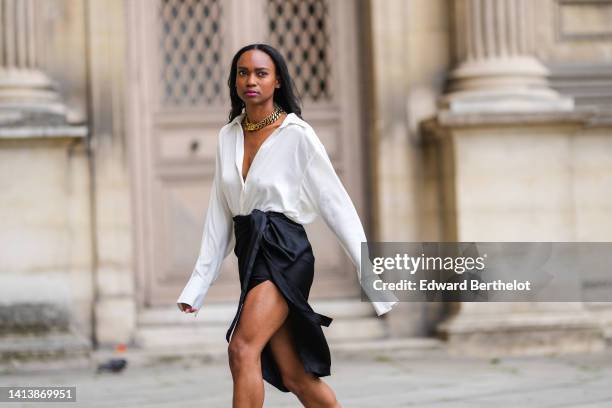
[[190, 50], [299, 30]]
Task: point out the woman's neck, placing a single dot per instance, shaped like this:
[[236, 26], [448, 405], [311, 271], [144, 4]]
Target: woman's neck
[[259, 112]]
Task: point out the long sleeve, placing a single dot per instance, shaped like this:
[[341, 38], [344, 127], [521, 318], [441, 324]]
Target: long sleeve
[[322, 190], [215, 245]]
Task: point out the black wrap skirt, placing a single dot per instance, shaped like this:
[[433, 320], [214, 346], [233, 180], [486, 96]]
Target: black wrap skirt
[[270, 246]]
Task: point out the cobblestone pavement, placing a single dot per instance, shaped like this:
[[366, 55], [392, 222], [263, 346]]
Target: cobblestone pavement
[[366, 379]]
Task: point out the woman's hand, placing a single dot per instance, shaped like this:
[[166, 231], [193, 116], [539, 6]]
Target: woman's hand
[[184, 307]]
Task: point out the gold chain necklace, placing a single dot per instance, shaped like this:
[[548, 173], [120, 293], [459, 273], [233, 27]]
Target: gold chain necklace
[[271, 118]]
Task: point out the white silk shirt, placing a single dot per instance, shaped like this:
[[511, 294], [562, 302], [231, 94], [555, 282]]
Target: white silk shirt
[[291, 173]]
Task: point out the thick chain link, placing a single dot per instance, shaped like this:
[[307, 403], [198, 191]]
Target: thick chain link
[[250, 126]]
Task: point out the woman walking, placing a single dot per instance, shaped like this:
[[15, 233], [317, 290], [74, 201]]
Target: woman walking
[[272, 176]]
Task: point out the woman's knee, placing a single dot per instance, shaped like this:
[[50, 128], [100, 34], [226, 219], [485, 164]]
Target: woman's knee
[[241, 352], [297, 384]]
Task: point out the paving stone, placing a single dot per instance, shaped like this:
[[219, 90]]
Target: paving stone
[[377, 379]]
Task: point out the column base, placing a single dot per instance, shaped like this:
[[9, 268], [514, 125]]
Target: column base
[[602, 312], [29, 97], [508, 332], [502, 84], [506, 100]]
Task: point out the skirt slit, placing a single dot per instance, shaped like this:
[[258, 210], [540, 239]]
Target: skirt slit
[[270, 246]]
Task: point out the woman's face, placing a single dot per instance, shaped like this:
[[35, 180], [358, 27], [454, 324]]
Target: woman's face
[[255, 77]]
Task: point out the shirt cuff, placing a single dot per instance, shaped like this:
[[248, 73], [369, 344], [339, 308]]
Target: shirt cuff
[[193, 293], [383, 307]]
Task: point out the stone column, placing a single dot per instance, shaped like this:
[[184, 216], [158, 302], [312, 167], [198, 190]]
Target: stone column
[[25, 90], [505, 147], [47, 158], [497, 68]]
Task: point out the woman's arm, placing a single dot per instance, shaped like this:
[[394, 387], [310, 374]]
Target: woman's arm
[[322, 189], [215, 244]]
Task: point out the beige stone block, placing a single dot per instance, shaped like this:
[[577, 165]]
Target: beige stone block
[[594, 225], [593, 173], [115, 282], [593, 190], [499, 150], [40, 193], [428, 16], [585, 19], [45, 210], [113, 208], [115, 245], [115, 320], [515, 226], [515, 192], [34, 249], [81, 310], [577, 50], [51, 287], [80, 250], [514, 184]]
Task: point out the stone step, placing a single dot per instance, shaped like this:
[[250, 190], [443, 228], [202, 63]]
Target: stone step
[[224, 312], [213, 335], [168, 327], [181, 336], [17, 349], [375, 348]]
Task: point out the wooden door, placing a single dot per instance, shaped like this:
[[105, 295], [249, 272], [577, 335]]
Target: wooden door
[[180, 51]]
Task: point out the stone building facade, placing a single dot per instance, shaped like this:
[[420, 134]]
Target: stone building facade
[[447, 120]]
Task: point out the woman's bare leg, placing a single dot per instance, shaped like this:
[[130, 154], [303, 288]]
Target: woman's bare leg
[[263, 312], [310, 390]]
